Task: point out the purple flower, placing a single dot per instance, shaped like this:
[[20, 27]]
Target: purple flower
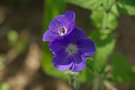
[[68, 44], [71, 51], [60, 26]]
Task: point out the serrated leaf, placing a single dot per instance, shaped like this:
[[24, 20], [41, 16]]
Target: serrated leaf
[[127, 6]]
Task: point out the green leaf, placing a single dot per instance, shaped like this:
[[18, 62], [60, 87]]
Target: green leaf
[[97, 18], [121, 69], [88, 4], [107, 4], [93, 4], [127, 6], [112, 22], [88, 73], [100, 17], [114, 10], [83, 76], [104, 47]]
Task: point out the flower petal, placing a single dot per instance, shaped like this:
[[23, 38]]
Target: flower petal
[[76, 58], [56, 24], [61, 58], [69, 20], [63, 62], [70, 16], [63, 67], [66, 21], [76, 35], [87, 46], [49, 36], [77, 67], [58, 44]]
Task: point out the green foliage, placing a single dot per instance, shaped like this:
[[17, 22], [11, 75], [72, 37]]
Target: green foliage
[[84, 76], [88, 4], [127, 6], [104, 48], [124, 6], [107, 4], [122, 71], [93, 4], [104, 17], [88, 73], [121, 68], [109, 19]]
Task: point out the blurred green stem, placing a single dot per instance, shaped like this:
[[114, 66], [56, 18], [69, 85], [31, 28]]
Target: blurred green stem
[[73, 79], [96, 83]]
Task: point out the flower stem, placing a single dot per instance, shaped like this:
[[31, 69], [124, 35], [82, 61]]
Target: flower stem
[[96, 83], [73, 81]]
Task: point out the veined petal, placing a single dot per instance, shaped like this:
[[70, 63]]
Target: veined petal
[[77, 67], [66, 21], [63, 67], [76, 58], [87, 46], [61, 58], [58, 44], [70, 16], [76, 35], [56, 24], [49, 36], [69, 21]]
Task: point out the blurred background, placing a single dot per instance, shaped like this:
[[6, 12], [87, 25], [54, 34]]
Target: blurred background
[[22, 24]]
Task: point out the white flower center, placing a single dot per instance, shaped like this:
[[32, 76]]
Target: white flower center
[[62, 31], [71, 49]]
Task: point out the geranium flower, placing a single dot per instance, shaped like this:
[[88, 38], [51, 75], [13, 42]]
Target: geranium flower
[[60, 26], [71, 51]]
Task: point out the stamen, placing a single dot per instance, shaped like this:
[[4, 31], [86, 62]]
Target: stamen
[[62, 31], [71, 49]]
